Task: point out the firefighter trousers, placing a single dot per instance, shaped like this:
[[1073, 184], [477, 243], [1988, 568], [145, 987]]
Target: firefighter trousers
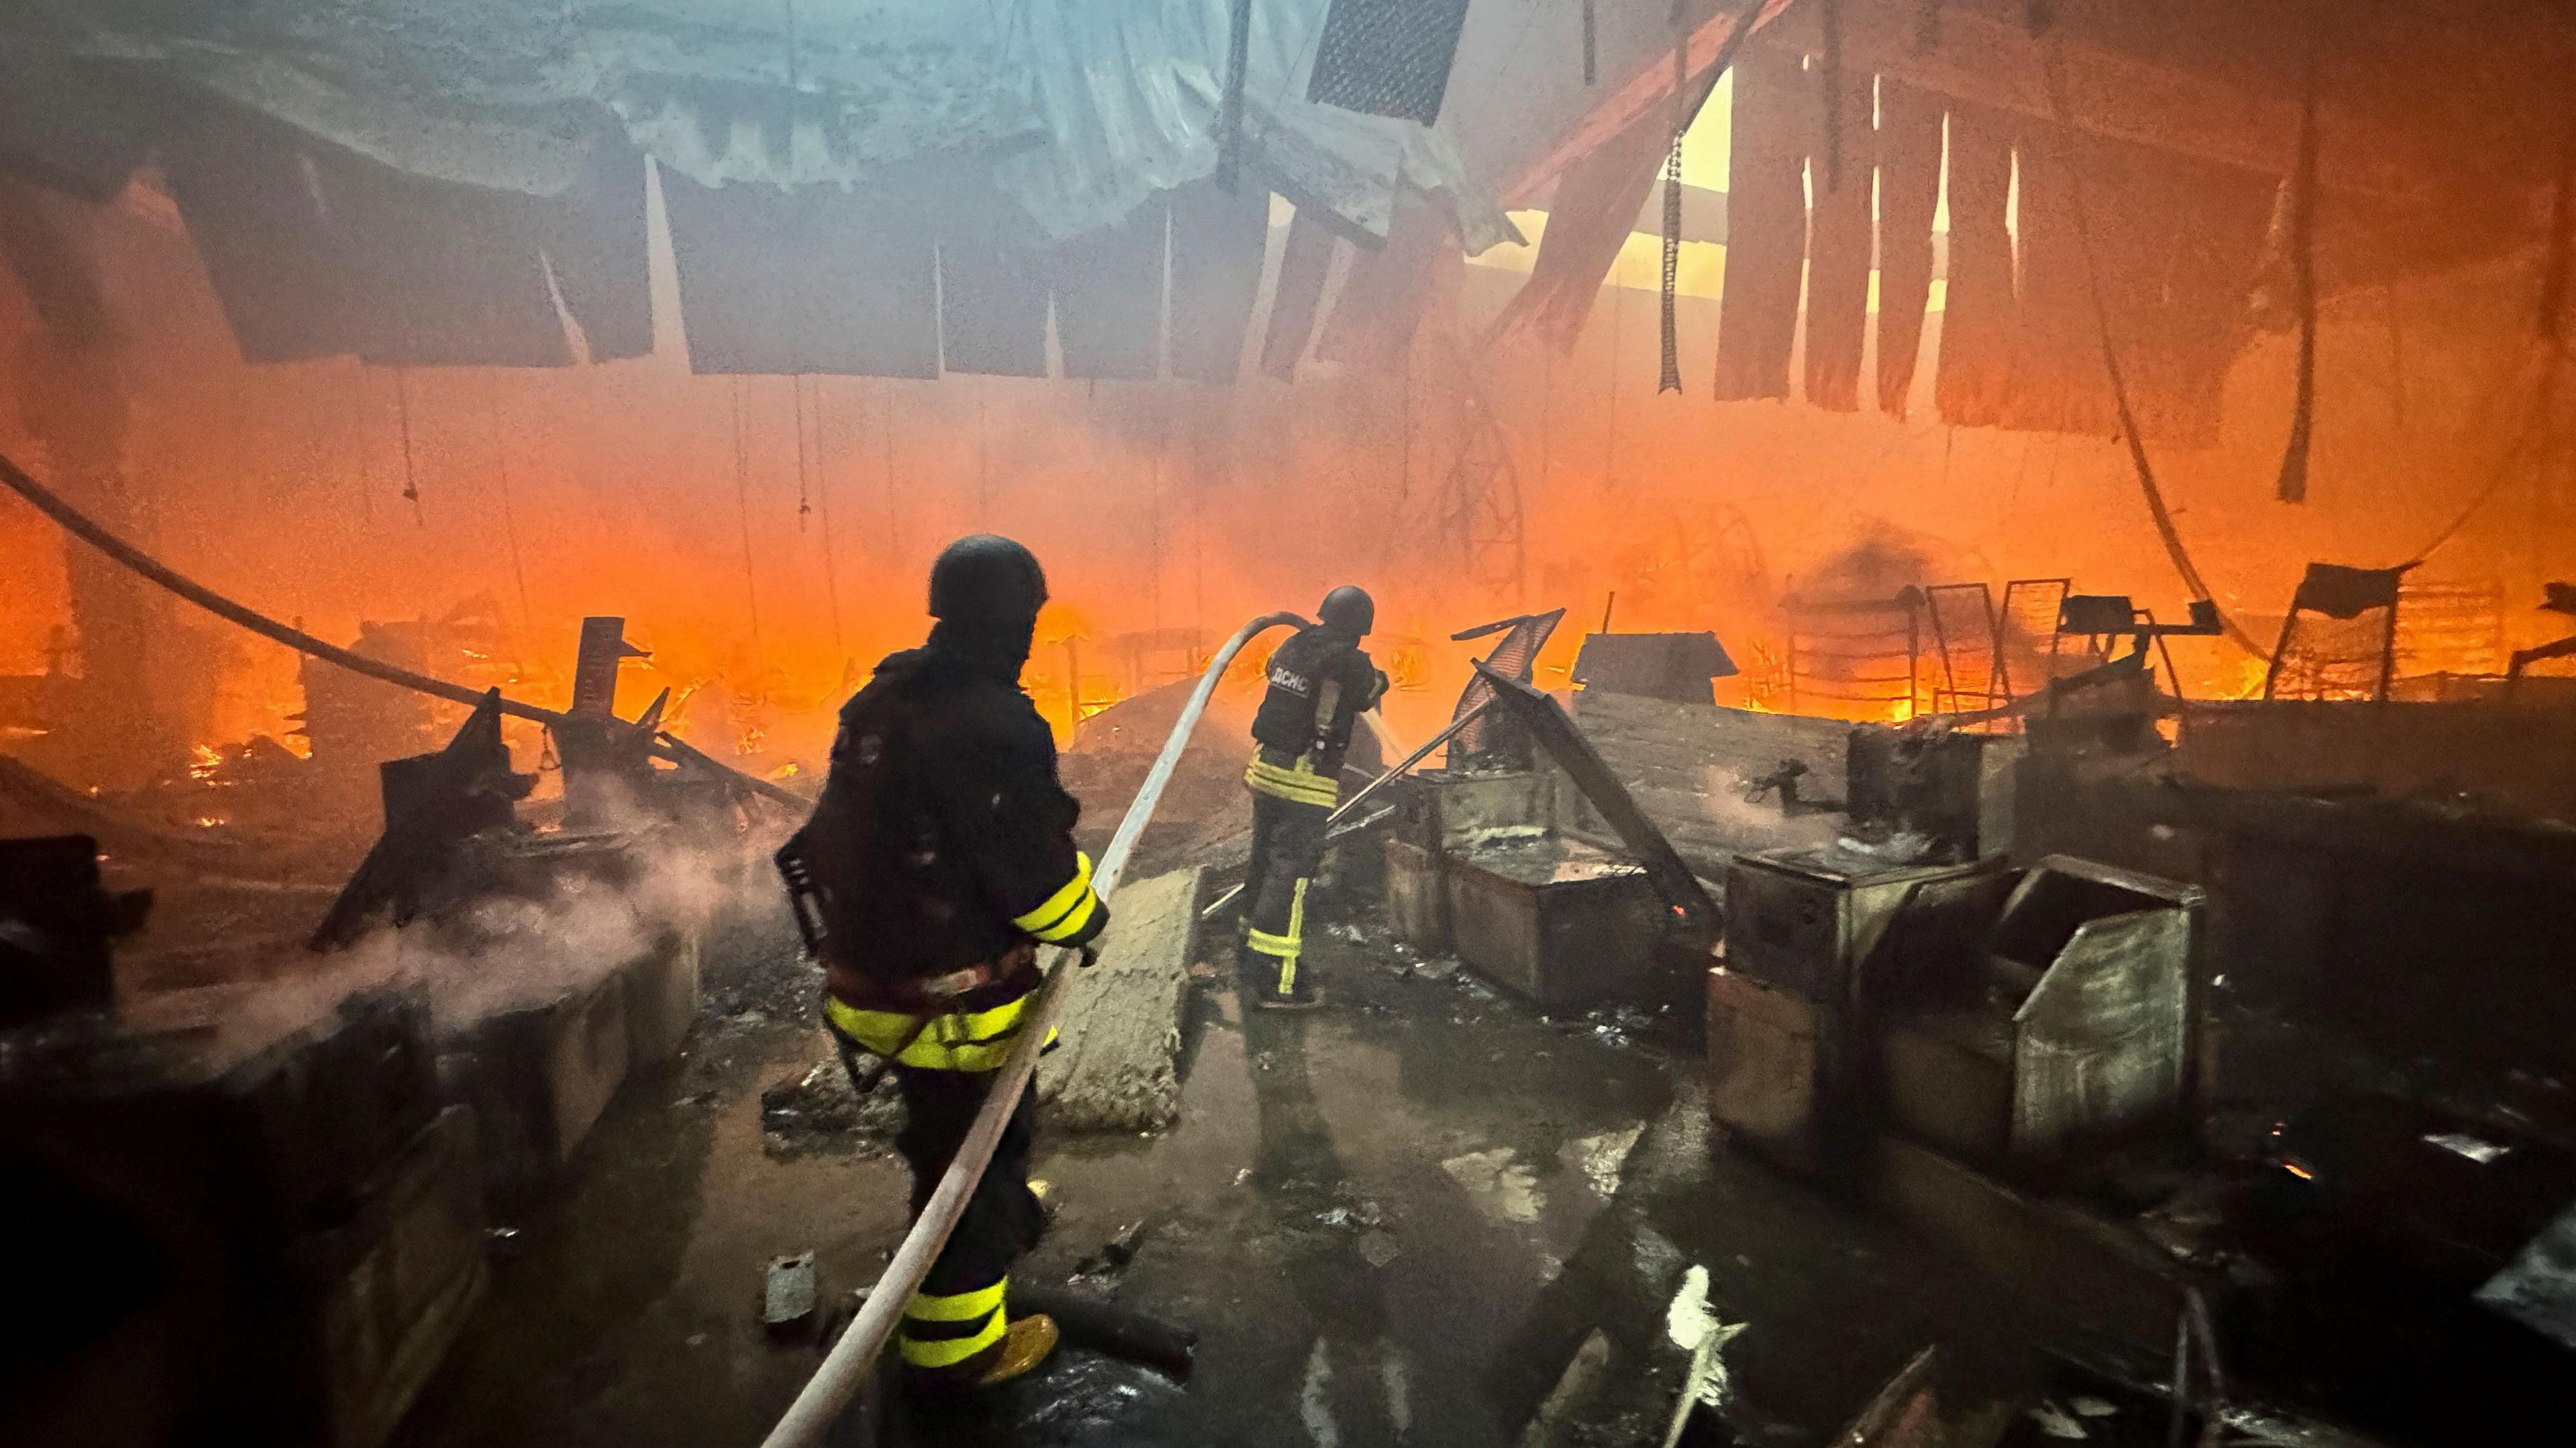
[[952, 1328], [1287, 848]]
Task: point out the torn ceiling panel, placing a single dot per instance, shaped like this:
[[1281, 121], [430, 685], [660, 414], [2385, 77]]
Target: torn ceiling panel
[[1088, 106], [864, 304]]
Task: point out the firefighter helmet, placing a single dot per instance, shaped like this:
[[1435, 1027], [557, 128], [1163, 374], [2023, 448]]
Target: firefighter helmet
[[1348, 611], [987, 579]]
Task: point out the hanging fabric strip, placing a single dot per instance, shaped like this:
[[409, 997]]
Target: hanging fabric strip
[[1838, 244], [1108, 288], [1303, 264], [2056, 382], [1217, 241], [1909, 186], [1598, 199], [1830, 65], [1977, 318], [862, 301], [2162, 515], [1766, 228], [2562, 245], [2175, 275], [1373, 321], [1591, 46]]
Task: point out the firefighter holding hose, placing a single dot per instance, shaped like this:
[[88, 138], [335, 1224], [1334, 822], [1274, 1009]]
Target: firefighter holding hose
[[1320, 684], [938, 859]]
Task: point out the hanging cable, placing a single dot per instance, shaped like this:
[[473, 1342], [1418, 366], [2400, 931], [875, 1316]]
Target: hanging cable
[[2055, 77], [1670, 379], [796, 394], [135, 560], [2543, 398], [2396, 357], [742, 504], [1591, 45], [894, 519], [358, 440], [509, 513], [402, 410], [983, 461], [831, 557]]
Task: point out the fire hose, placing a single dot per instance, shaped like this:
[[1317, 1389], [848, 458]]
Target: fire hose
[[838, 1379], [79, 525]]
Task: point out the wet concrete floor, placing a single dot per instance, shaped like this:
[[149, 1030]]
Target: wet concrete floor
[[1394, 1220]]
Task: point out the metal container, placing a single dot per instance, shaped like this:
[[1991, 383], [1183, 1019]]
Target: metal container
[[1841, 933], [1816, 923], [1417, 898], [1765, 1069], [2075, 1024], [1558, 921], [1438, 809]]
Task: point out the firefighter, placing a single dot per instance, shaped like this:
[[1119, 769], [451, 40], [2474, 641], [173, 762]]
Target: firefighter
[[938, 859], [1320, 683]]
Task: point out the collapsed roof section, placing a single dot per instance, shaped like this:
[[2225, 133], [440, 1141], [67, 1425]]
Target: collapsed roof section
[[420, 183]]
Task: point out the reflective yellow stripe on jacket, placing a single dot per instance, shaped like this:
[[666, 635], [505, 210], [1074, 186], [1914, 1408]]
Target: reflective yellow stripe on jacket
[[1299, 782], [943, 1331], [1066, 911], [956, 1041]]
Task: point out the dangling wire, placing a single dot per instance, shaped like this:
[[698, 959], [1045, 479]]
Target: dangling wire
[[983, 462], [509, 514], [358, 440], [894, 519], [1154, 512], [1618, 318], [402, 410], [742, 503], [1591, 46], [796, 391], [1546, 410], [823, 495]]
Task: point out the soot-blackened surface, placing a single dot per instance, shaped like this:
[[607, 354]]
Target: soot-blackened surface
[[1391, 1220]]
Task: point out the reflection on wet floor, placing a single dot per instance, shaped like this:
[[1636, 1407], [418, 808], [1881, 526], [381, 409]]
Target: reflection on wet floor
[[1395, 1220]]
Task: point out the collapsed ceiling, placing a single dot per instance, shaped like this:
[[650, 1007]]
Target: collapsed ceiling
[[901, 187]]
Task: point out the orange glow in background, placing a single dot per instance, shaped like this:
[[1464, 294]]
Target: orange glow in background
[[767, 593]]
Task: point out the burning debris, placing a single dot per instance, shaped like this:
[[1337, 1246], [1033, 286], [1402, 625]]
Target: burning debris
[[2103, 811]]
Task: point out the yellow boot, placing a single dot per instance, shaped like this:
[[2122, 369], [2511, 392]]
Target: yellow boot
[[1024, 1345]]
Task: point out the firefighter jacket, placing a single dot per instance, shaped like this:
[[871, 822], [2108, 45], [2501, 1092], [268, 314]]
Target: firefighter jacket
[[943, 841], [1319, 686]]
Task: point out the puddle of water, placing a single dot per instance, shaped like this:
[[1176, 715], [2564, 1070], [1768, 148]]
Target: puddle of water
[[1601, 1158], [1502, 1186]]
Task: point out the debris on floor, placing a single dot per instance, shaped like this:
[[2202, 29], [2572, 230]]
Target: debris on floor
[[818, 1110], [788, 1294]]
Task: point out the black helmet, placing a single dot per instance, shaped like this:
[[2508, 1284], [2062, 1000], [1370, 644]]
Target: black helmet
[[986, 579], [1348, 611]]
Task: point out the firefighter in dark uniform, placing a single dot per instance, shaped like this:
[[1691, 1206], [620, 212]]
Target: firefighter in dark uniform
[[938, 859], [1320, 684]]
